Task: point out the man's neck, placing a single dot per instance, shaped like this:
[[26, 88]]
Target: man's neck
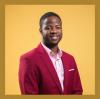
[[54, 48]]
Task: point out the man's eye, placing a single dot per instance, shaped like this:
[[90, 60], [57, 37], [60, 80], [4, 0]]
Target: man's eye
[[58, 27], [47, 28]]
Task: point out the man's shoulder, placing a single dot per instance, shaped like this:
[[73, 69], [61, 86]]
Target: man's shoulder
[[34, 53], [68, 55], [29, 54]]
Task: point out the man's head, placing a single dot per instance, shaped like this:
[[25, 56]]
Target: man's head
[[51, 29]]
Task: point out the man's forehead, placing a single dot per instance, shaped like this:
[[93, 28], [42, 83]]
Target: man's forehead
[[52, 19]]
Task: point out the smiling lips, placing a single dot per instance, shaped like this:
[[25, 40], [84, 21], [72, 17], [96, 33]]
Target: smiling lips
[[54, 37]]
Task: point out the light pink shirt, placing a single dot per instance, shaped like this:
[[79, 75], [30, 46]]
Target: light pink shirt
[[57, 63]]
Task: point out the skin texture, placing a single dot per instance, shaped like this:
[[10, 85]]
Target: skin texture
[[51, 31]]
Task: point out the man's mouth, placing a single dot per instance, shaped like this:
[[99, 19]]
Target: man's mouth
[[54, 37]]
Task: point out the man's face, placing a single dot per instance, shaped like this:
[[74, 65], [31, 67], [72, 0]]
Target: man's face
[[51, 30]]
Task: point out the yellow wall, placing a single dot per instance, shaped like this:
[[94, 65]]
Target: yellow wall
[[22, 34]]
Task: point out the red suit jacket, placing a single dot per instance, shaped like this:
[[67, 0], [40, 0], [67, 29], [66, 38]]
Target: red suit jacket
[[38, 76]]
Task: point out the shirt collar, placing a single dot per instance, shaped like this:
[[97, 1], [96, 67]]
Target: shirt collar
[[50, 52]]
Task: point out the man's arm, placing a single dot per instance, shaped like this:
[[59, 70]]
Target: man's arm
[[77, 86], [27, 77]]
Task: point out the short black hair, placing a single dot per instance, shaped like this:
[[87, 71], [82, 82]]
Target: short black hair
[[47, 14]]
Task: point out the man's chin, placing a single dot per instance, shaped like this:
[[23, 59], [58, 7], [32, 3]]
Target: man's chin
[[51, 44], [54, 43]]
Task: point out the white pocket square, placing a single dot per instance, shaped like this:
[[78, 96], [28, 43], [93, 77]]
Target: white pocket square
[[71, 69]]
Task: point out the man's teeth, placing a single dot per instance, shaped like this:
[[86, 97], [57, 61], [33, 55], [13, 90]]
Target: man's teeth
[[54, 37]]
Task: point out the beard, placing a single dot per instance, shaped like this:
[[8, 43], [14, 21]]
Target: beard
[[51, 44]]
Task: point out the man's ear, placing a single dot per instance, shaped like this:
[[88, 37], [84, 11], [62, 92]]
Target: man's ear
[[40, 30]]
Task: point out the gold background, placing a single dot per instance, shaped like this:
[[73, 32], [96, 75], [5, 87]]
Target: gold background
[[22, 34]]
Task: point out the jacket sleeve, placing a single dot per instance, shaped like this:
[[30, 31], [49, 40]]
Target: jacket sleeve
[[27, 77], [77, 86]]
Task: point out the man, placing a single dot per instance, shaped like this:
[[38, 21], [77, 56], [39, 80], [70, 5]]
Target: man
[[47, 69]]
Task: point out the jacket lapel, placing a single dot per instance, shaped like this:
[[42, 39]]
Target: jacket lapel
[[48, 63]]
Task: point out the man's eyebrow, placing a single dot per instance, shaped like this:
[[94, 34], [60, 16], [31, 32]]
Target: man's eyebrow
[[58, 23]]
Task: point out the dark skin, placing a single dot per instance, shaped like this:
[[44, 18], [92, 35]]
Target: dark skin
[[51, 31]]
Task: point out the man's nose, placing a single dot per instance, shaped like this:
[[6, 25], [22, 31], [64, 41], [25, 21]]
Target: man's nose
[[53, 30]]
